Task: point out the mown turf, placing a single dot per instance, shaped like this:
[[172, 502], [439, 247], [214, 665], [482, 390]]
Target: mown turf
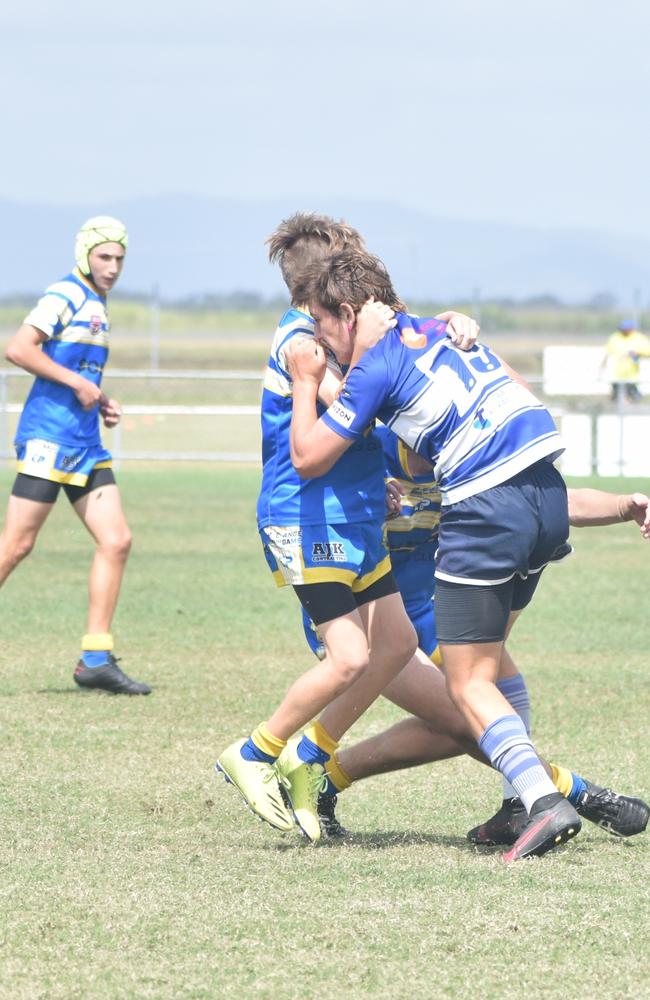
[[127, 869]]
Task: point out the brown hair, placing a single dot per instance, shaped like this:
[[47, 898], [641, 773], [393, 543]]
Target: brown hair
[[351, 276], [305, 238]]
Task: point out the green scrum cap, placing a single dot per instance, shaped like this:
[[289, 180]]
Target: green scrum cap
[[100, 229]]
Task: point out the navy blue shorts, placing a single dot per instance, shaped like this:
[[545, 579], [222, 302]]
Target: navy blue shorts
[[492, 550], [516, 528]]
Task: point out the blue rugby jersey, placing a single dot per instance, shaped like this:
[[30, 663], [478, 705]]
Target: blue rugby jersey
[[417, 523], [73, 317], [458, 409], [352, 491]]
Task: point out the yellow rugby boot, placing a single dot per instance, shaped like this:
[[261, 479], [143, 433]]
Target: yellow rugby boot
[[302, 783], [257, 783]]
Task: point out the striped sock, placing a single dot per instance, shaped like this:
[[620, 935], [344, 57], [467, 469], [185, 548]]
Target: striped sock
[[515, 692], [506, 744]]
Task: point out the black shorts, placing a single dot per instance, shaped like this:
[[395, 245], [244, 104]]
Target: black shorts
[[467, 613], [46, 491], [325, 601]]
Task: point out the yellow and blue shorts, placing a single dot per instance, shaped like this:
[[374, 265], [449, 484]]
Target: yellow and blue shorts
[[352, 554], [45, 466]]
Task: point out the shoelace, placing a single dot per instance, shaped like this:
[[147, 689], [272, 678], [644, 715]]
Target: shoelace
[[317, 784], [281, 778]]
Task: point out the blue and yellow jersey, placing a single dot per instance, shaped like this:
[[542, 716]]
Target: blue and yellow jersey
[[460, 410], [72, 315], [353, 489], [417, 523]]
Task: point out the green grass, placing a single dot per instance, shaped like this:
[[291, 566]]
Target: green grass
[[129, 870]]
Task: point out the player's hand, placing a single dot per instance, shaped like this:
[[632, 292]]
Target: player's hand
[[306, 360], [374, 320], [88, 394], [636, 507], [461, 329], [394, 494], [111, 411]]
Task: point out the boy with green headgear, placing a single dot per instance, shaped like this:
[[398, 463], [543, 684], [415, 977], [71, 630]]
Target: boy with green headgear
[[63, 342]]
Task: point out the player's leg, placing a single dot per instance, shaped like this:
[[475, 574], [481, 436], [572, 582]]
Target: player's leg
[[250, 764], [620, 815], [515, 530], [321, 562], [303, 763], [99, 508], [391, 640], [29, 505]]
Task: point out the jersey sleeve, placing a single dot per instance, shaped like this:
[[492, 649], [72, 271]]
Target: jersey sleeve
[[362, 397], [54, 310]]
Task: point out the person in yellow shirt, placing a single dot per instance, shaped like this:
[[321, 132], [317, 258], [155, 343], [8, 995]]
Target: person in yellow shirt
[[623, 350]]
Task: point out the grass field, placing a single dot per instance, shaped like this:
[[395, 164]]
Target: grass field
[[129, 870]]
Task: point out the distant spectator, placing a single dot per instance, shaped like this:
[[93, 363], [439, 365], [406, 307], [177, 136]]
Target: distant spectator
[[622, 353]]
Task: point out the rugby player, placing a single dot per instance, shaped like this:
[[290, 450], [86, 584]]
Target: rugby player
[[64, 343], [324, 539]]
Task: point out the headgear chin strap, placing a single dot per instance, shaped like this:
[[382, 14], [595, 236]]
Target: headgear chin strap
[[100, 229]]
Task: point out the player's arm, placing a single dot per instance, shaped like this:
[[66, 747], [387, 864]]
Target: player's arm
[[24, 351], [314, 447], [589, 508]]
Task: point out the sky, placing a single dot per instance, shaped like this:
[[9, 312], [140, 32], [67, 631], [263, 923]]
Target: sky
[[524, 113]]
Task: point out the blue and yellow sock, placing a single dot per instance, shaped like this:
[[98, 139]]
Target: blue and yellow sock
[[262, 745], [337, 778], [316, 745], [571, 785], [95, 648]]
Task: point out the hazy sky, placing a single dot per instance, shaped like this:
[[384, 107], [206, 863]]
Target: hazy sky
[[533, 113]]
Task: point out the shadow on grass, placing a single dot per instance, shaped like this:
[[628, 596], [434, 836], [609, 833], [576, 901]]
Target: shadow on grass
[[380, 840], [90, 692]]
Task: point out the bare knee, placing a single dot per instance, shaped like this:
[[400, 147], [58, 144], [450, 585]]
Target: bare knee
[[16, 549], [347, 669], [400, 644], [117, 546]]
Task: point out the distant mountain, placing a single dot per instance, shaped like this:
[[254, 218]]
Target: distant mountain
[[192, 246]]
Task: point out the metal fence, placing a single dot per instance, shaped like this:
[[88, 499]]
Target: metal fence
[[119, 438]]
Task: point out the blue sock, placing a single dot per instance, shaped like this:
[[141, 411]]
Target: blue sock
[[250, 751], [331, 787], [94, 658], [507, 746], [515, 692], [310, 752]]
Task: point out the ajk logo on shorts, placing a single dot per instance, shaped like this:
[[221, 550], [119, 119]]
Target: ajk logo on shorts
[[328, 552]]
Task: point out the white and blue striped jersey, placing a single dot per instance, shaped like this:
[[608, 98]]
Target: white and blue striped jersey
[[458, 409], [351, 492], [73, 317]]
